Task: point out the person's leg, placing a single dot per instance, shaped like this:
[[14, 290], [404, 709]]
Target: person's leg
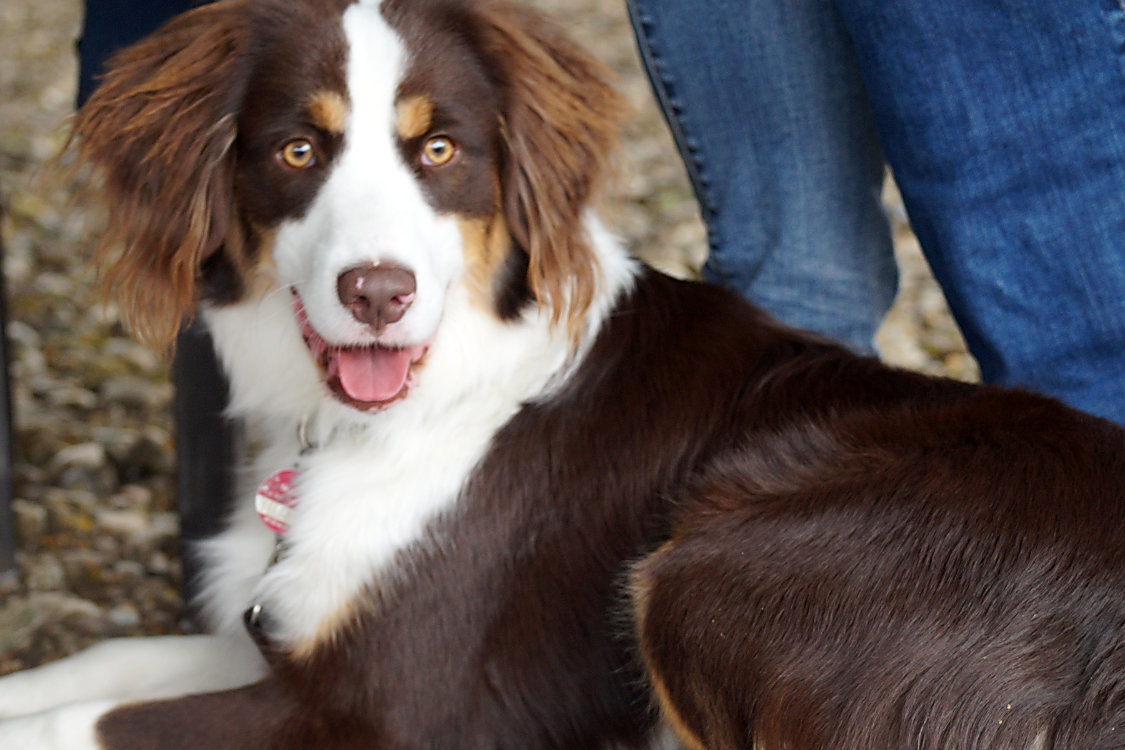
[[1004, 123], [765, 100]]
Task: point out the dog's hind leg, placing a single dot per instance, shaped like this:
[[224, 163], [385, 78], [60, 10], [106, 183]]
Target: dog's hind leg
[[133, 669]]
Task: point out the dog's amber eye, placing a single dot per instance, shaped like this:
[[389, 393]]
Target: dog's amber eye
[[298, 153], [438, 150]]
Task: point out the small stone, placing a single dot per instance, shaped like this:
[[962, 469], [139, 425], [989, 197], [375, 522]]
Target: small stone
[[107, 546], [9, 584], [161, 527], [22, 617], [86, 566], [31, 523], [21, 334], [101, 480], [128, 571], [84, 456], [54, 285], [82, 500], [68, 513], [124, 616], [149, 454], [44, 572], [132, 497], [137, 393], [117, 440], [72, 396], [124, 524], [159, 564], [136, 354]]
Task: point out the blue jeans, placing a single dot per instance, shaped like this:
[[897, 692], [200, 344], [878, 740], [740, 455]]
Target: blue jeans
[[109, 25], [1004, 124], [767, 105]]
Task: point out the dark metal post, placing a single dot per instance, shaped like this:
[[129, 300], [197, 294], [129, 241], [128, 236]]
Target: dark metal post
[[7, 538], [205, 445]]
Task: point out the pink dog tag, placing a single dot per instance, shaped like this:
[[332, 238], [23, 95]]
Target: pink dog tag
[[275, 500]]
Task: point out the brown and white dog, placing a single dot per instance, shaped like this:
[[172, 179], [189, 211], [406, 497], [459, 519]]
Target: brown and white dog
[[549, 498]]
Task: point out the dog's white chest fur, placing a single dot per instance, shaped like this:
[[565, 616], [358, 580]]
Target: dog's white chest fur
[[360, 501], [371, 484]]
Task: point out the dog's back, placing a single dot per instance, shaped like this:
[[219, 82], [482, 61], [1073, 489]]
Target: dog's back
[[916, 572]]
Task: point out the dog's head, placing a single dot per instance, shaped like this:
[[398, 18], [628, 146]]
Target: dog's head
[[367, 156]]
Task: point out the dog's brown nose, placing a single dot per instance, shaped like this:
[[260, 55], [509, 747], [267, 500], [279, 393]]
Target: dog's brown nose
[[377, 295]]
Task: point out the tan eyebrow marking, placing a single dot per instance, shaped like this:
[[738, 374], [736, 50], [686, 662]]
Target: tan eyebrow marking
[[328, 111], [414, 116]]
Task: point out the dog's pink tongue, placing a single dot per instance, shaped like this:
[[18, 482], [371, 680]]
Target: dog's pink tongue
[[373, 374]]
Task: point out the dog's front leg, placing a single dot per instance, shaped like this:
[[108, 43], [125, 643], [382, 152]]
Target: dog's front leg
[[133, 669], [255, 717], [73, 727]]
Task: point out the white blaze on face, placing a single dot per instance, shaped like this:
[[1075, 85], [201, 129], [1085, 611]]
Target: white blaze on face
[[371, 209], [367, 494]]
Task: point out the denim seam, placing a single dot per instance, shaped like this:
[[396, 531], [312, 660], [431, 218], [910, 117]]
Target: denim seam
[[1119, 35], [673, 114]]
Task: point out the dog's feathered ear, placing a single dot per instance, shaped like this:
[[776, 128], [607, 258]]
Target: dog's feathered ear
[[158, 131], [560, 123]]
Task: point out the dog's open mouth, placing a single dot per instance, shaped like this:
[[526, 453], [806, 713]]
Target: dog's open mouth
[[368, 378]]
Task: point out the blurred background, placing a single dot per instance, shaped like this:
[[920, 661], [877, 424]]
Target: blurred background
[[94, 509]]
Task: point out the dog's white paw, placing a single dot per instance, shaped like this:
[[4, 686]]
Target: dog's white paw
[[53, 685], [132, 669], [17, 698], [68, 728]]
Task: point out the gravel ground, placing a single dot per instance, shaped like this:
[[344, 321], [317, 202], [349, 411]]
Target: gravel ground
[[95, 513]]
